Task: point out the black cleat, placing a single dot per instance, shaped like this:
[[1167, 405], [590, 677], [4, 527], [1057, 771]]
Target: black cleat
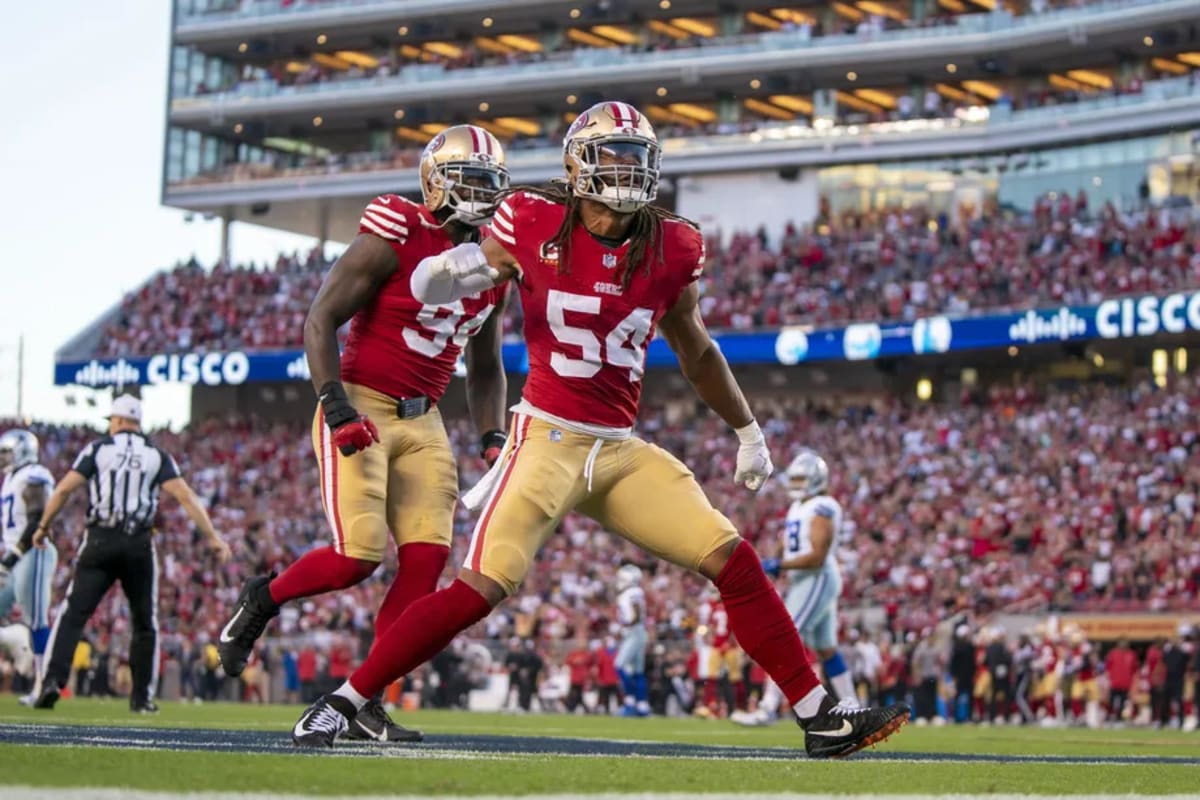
[[323, 721], [146, 707], [838, 730], [374, 725], [48, 698], [254, 610]]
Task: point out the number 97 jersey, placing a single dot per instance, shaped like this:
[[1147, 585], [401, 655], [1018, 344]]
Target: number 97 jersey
[[397, 345], [586, 333]]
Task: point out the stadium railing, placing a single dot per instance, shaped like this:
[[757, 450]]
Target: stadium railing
[[1161, 105], [775, 50]]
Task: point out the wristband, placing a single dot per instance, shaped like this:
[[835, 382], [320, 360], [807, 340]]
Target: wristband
[[750, 433], [336, 405], [493, 438]]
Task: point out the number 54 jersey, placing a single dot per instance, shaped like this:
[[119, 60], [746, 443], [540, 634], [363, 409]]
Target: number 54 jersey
[[399, 346], [585, 332]]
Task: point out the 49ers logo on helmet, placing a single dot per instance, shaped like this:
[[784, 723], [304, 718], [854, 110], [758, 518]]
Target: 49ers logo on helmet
[[436, 144], [581, 122]]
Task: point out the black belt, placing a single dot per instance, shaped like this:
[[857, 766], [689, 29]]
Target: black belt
[[413, 407]]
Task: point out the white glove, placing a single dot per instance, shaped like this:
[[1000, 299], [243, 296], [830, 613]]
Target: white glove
[[753, 459], [465, 260]]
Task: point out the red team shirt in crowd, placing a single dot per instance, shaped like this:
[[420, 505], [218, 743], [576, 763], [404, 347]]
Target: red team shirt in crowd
[[586, 335], [398, 345], [713, 614]]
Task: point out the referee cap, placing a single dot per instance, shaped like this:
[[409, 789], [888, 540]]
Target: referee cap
[[126, 406]]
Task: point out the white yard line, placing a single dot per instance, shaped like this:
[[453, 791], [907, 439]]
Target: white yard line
[[31, 793]]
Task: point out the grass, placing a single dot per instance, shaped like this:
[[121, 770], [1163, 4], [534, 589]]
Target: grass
[[312, 774]]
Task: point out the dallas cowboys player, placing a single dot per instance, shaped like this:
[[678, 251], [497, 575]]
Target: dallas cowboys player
[[26, 572], [814, 522], [631, 654]]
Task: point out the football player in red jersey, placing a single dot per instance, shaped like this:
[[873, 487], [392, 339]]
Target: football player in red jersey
[[599, 269], [385, 461]]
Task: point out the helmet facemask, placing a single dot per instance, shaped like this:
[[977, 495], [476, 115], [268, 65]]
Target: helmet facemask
[[619, 171], [470, 190]]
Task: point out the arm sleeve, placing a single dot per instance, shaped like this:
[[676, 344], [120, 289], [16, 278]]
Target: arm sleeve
[[85, 462], [167, 470]]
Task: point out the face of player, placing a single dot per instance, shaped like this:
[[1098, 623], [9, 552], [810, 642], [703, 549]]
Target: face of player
[[622, 154], [473, 192], [6, 458], [798, 487]]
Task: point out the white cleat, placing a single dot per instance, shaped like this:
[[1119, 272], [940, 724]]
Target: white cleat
[[752, 719]]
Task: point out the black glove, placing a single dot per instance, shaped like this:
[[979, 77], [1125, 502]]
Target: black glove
[[335, 405], [351, 431], [491, 444], [10, 559]]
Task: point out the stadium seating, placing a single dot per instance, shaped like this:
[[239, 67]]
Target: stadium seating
[[1089, 481], [887, 265]]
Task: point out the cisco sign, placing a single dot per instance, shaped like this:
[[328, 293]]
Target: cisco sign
[[1146, 316], [1111, 319], [209, 369], [191, 369]]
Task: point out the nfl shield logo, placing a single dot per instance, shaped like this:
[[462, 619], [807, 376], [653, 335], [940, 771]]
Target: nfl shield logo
[[555, 435], [610, 260]]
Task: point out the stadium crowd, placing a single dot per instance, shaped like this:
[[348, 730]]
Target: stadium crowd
[[1006, 500], [887, 265]]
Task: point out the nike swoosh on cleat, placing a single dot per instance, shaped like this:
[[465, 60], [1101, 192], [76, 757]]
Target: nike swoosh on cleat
[[379, 737], [842, 731], [299, 729], [225, 637]]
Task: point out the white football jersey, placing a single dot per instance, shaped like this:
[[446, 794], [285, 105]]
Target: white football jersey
[[13, 514], [797, 540], [631, 607]]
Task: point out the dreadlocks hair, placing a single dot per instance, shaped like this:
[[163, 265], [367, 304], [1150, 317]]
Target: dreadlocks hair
[[645, 234]]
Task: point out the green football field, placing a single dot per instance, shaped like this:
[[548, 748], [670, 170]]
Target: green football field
[[242, 748]]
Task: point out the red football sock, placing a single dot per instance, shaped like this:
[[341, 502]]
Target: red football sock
[[421, 632], [419, 565], [762, 624], [319, 571]]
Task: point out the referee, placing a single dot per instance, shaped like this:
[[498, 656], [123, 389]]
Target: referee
[[123, 472]]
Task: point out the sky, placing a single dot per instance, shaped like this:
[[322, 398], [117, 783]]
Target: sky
[[82, 109]]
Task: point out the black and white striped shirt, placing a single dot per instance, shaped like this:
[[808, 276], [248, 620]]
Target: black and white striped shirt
[[124, 473]]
